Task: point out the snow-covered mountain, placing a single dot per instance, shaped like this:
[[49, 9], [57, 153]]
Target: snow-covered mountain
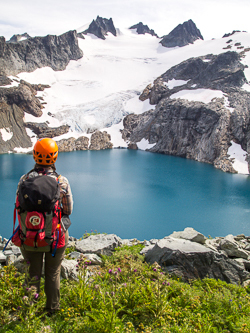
[[98, 90]]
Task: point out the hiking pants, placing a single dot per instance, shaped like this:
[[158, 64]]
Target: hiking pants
[[52, 271]]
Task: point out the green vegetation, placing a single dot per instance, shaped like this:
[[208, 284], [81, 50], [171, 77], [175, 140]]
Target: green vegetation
[[125, 295]]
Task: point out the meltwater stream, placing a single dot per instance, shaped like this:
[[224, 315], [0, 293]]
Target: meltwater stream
[[137, 194]]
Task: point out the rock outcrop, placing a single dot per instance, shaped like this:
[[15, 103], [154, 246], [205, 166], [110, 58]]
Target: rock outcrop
[[100, 140], [143, 29], [196, 130], [32, 53], [182, 35], [100, 27], [186, 254], [19, 38], [42, 130], [71, 144]]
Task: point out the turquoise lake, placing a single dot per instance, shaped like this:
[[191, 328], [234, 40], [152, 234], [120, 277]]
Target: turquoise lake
[[137, 194]]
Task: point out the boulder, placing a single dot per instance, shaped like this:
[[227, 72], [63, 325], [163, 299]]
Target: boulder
[[99, 244], [189, 234], [69, 269], [232, 248], [190, 260]]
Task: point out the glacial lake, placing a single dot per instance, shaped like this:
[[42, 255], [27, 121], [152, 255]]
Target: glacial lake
[[137, 194]]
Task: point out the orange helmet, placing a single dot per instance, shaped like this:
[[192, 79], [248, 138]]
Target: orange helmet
[[45, 151]]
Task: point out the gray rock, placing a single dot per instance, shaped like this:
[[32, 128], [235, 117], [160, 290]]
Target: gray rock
[[16, 250], [189, 234], [191, 129], [232, 248], [100, 27], [182, 35], [99, 244], [42, 130], [10, 259], [71, 144], [100, 140], [190, 260], [2, 257], [143, 29], [69, 269], [75, 255], [37, 52], [93, 258], [20, 264], [244, 262]]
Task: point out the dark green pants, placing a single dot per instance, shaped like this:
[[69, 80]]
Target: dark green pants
[[52, 273]]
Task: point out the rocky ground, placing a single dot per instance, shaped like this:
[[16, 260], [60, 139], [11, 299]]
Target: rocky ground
[[187, 254]]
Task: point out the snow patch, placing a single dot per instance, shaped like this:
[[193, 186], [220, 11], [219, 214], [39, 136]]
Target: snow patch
[[239, 158], [144, 144], [198, 95], [175, 83], [6, 133]]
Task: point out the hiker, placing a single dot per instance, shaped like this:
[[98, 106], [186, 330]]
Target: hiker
[[45, 153]]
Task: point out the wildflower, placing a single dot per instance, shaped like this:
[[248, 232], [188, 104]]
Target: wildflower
[[135, 270], [110, 271], [96, 286], [99, 273], [115, 273], [230, 300], [119, 270], [155, 269], [18, 308], [25, 298], [28, 289], [36, 296], [125, 284], [168, 284]]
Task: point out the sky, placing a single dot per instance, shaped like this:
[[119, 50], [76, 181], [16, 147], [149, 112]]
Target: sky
[[213, 18]]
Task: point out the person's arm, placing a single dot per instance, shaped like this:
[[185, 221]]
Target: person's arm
[[65, 196]]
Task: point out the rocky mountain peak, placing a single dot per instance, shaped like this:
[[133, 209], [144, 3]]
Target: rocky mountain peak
[[18, 38], [100, 27], [36, 52], [143, 29], [182, 35]]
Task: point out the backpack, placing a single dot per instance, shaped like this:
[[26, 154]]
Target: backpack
[[39, 214]]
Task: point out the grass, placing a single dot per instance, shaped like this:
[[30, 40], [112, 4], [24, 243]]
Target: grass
[[125, 295]]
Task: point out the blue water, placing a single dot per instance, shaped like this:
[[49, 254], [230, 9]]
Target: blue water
[[137, 194]]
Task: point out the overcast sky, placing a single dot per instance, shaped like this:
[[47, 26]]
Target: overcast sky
[[39, 18]]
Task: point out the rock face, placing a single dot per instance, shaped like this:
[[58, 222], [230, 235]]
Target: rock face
[[71, 144], [196, 130], [19, 38], [179, 256], [182, 35], [32, 53], [14, 102], [100, 27], [142, 29], [100, 140], [42, 130]]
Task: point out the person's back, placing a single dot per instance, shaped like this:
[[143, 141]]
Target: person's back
[[45, 153]]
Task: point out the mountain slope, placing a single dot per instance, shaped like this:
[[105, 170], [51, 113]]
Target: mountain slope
[[97, 91]]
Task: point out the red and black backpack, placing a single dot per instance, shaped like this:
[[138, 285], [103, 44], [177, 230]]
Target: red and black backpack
[[39, 213]]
